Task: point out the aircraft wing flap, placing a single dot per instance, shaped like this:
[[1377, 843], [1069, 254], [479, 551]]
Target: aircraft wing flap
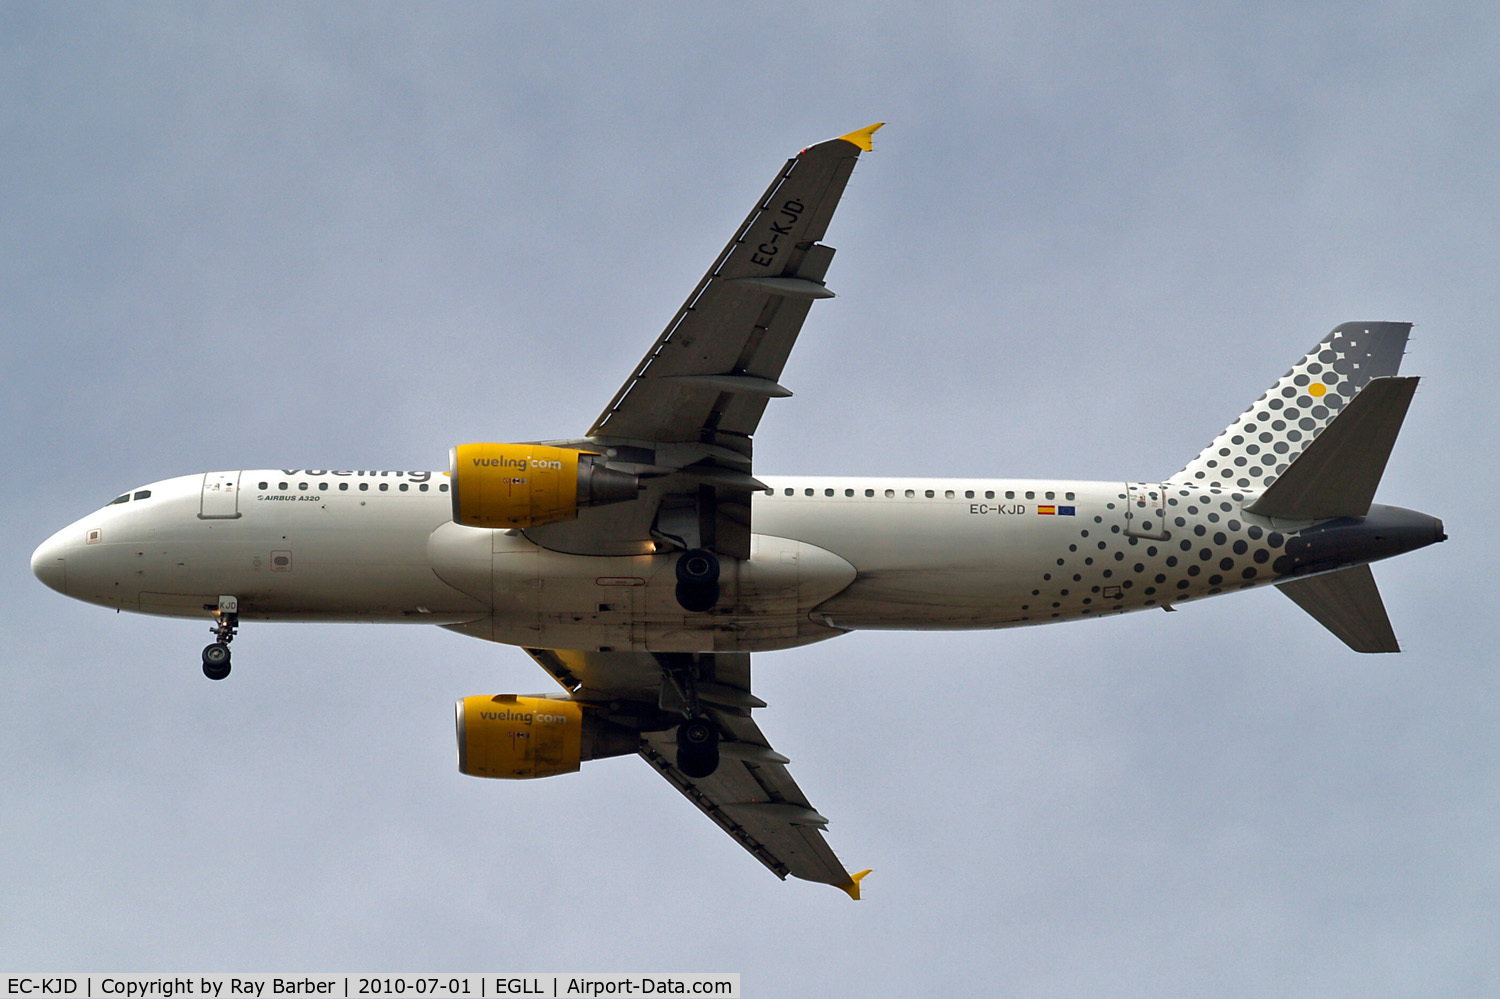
[[753, 798]]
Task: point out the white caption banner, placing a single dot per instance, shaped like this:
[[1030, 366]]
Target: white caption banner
[[534, 986]]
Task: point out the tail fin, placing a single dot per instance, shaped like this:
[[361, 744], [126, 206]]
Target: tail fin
[[1256, 449], [1336, 475]]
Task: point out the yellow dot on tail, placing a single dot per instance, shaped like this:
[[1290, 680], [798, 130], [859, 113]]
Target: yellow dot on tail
[[1317, 389]]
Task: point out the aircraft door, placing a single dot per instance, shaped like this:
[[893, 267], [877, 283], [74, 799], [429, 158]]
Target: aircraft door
[[1145, 510], [221, 496]]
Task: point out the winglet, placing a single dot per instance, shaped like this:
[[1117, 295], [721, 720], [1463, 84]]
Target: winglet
[[852, 888], [864, 139]]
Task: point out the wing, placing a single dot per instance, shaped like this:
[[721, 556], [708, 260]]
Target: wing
[[687, 413], [708, 376], [751, 795]]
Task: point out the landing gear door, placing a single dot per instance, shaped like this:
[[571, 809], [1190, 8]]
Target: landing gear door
[[221, 496], [1145, 510]]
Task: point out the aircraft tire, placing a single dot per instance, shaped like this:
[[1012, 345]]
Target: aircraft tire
[[697, 597], [697, 747], [698, 567], [216, 661]]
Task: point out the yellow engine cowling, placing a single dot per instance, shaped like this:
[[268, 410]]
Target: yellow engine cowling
[[515, 737], [526, 485]]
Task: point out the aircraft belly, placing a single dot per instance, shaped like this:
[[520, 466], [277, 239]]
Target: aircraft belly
[[300, 564], [546, 599]]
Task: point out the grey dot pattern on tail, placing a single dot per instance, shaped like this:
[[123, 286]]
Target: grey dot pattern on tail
[[1258, 447]]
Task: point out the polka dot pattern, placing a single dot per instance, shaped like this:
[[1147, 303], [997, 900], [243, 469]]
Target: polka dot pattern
[[1211, 546], [1255, 449]]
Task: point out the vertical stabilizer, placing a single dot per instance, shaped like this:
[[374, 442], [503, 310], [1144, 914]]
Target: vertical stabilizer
[[1258, 447], [1338, 473]]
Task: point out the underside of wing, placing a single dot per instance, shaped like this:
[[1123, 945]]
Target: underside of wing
[[708, 377], [750, 794]]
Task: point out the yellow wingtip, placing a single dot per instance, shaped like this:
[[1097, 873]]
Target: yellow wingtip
[[864, 138], [852, 888]]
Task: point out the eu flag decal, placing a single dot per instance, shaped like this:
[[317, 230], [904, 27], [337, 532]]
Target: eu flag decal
[[1065, 511]]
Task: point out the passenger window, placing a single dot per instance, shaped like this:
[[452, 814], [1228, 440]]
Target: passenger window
[[443, 487], [890, 494], [404, 487], [1068, 495], [869, 492], [790, 491], [848, 492], [264, 485], [364, 487], [1051, 494], [322, 487], [828, 492], [302, 485], [929, 494], [385, 487], [343, 487], [422, 488], [911, 494], [1030, 494], [1009, 494], [968, 494], [281, 485], [948, 494], [990, 494], [807, 492]]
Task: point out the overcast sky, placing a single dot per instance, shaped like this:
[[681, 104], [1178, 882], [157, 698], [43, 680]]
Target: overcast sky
[[352, 235]]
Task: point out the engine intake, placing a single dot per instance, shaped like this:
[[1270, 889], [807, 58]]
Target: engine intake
[[526, 485], [518, 738]]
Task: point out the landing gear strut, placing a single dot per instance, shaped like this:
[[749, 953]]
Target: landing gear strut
[[226, 623], [697, 580]]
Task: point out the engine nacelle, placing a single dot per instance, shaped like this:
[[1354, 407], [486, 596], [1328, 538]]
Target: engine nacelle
[[515, 737], [525, 485]]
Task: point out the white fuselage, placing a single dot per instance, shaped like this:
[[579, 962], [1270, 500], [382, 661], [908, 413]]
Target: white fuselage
[[829, 555]]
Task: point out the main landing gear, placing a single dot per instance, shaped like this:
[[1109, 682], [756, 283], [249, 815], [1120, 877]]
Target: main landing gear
[[226, 623], [697, 733], [697, 580], [698, 747]]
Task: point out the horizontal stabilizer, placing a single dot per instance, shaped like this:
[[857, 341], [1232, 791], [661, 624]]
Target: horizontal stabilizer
[[1348, 604], [1337, 474]]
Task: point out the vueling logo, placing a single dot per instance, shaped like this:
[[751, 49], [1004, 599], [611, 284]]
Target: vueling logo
[[524, 717], [519, 464]]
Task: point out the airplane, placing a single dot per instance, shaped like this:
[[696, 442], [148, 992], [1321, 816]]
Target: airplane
[[642, 564]]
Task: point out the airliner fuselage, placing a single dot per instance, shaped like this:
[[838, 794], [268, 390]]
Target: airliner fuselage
[[829, 555]]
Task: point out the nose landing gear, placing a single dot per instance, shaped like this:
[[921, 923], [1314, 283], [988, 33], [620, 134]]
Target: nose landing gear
[[226, 623]]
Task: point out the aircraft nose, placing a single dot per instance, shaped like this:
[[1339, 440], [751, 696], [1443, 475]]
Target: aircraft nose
[[49, 564]]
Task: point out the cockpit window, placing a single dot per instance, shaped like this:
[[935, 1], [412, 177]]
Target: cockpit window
[[141, 494], [120, 499]]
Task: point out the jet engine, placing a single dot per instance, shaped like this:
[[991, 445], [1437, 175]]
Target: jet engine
[[525, 485], [517, 737]]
